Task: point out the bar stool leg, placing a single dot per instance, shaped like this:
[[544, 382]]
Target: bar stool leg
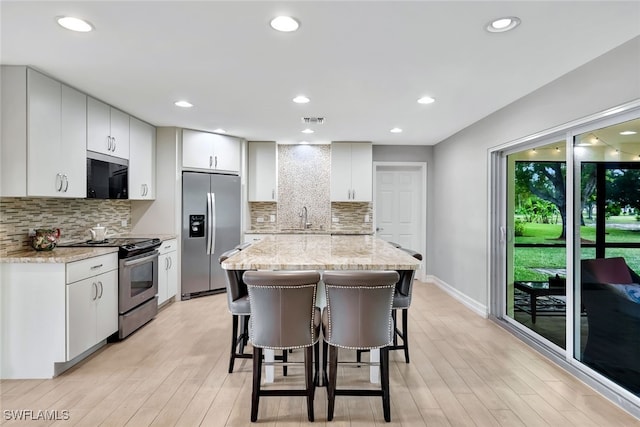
[[384, 380], [405, 333], [333, 376], [234, 342], [257, 376], [308, 367]]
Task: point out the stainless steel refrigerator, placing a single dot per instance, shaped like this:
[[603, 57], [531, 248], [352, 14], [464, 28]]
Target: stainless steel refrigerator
[[210, 226]]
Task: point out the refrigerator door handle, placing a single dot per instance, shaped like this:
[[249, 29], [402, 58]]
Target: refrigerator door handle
[[213, 223], [208, 224]]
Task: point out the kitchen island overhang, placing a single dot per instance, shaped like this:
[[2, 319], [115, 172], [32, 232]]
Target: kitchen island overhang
[[321, 252]]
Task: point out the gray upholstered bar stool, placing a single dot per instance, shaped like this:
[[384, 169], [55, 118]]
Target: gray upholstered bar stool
[[358, 317], [238, 305], [283, 316], [401, 301]]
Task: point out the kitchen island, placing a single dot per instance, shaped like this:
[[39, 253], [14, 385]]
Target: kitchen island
[[321, 252]]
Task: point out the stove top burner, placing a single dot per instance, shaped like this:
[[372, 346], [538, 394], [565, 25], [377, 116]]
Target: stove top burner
[[128, 246]]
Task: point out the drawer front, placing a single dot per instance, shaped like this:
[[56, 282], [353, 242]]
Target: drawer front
[[89, 267], [168, 246]]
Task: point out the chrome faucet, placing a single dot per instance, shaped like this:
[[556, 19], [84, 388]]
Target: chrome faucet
[[304, 222]]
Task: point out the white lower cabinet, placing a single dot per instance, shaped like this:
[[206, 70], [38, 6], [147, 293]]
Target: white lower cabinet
[[52, 312], [167, 270], [93, 312]]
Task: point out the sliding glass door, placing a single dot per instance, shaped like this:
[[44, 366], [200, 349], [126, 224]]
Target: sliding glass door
[[565, 270], [536, 249], [607, 164]]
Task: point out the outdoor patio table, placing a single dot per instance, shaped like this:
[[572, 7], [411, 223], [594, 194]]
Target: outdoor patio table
[[537, 289]]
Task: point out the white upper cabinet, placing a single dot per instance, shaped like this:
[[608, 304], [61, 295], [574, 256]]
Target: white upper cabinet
[[351, 172], [210, 151], [262, 175], [44, 146], [107, 129], [142, 165]]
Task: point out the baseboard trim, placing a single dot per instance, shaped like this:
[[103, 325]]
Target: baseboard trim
[[471, 304]]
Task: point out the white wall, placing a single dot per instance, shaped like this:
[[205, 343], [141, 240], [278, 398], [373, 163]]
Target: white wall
[[162, 215], [457, 246]]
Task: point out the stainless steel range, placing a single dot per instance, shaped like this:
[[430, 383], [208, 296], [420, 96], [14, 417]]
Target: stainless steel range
[[137, 280]]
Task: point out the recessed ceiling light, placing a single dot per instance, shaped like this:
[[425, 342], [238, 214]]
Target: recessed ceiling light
[[395, 130], [219, 130], [301, 99], [183, 104], [501, 25], [308, 131], [628, 132], [74, 24], [426, 100], [304, 142], [286, 24]]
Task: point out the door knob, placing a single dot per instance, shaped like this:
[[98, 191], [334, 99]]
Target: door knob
[[379, 229]]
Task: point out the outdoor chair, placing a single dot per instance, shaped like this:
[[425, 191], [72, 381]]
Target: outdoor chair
[[611, 296]]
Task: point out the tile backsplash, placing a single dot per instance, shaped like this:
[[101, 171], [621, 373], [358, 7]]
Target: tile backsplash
[[352, 217], [304, 179], [263, 210], [74, 217]]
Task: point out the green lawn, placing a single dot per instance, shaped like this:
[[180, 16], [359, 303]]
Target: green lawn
[[526, 259]]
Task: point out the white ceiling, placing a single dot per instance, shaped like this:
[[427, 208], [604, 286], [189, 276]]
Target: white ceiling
[[363, 63]]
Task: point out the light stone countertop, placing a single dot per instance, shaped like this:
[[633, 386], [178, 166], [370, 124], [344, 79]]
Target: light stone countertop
[[311, 231], [57, 255], [70, 254], [321, 252]]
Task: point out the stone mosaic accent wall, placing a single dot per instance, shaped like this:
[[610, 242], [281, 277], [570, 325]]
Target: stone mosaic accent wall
[[74, 217], [263, 210], [351, 216], [304, 180]]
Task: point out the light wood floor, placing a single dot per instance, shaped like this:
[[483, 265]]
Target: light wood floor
[[464, 371]]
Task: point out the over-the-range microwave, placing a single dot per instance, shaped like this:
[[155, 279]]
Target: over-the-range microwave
[[107, 176]]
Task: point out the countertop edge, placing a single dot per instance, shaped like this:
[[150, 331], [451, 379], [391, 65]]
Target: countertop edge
[[55, 256]]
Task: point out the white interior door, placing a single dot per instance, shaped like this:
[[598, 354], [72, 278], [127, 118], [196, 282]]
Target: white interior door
[[399, 205]]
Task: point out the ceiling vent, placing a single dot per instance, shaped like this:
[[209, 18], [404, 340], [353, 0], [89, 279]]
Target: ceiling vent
[[313, 120]]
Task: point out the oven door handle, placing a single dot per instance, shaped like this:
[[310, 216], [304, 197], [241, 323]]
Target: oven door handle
[[140, 260], [211, 223]]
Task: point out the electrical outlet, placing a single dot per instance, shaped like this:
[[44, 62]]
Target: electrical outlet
[[272, 218], [366, 218], [123, 223], [260, 219], [335, 219]]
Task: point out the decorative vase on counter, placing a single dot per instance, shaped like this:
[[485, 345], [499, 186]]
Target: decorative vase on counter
[[45, 239]]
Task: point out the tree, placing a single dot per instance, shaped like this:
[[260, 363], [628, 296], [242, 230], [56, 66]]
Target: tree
[[546, 180], [624, 188], [588, 187]]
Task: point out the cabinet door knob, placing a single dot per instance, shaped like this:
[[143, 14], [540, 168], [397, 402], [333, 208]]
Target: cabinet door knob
[[101, 289], [58, 182], [95, 288], [216, 162], [273, 194], [114, 145], [66, 182], [210, 161]]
